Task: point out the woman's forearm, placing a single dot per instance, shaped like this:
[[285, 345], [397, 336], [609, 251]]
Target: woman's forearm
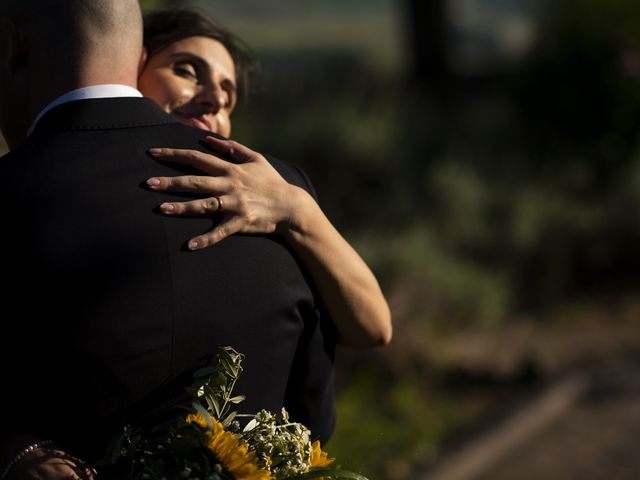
[[347, 286]]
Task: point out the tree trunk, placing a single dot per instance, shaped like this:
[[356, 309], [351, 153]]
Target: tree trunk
[[428, 42]]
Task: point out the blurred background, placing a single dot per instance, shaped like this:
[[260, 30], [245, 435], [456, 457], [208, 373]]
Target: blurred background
[[483, 156]]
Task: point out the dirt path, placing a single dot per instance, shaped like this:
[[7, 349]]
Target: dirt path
[[598, 438], [572, 431]]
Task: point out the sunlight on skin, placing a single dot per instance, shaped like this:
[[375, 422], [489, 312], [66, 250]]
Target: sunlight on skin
[[194, 80]]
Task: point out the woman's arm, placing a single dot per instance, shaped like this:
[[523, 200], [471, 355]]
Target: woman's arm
[[254, 198], [347, 286]]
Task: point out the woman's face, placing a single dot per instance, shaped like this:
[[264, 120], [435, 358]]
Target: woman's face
[[194, 80]]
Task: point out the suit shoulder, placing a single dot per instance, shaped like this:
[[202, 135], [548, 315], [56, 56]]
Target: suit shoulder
[[18, 164]]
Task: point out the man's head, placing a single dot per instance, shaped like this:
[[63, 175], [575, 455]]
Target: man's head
[[49, 47]]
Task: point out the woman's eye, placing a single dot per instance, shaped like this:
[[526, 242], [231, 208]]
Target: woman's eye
[[186, 71]]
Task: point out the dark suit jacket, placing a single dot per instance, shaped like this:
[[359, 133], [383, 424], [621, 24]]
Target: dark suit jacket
[[103, 304]]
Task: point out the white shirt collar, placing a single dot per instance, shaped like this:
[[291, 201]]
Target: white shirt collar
[[94, 91]]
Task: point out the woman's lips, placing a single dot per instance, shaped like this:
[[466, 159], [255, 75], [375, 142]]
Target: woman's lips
[[198, 122]]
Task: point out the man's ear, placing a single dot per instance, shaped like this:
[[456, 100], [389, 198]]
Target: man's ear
[[144, 56]]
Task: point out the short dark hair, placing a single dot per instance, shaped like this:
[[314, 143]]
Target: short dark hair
[[163, 28]]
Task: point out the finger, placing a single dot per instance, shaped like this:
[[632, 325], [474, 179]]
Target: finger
[[188, 184], [203, 206], [80, 468], [225, 229], [232, 149], [204, 162]]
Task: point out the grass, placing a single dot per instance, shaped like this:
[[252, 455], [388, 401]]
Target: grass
[[389, 428]]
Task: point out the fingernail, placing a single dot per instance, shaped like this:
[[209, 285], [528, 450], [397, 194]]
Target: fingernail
[[193, 244], [155, 151], [153, 182], [167, 207]]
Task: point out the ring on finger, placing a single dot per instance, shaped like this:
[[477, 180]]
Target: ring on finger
[[219, 209]]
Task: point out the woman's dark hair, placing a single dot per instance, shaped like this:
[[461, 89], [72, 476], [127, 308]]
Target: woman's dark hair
[[164, 27]]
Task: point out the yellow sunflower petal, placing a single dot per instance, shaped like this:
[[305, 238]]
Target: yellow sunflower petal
[[198, 419], [235, 455], [318, 457]]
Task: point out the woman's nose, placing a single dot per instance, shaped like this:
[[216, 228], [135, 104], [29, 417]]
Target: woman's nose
[[212, 98]]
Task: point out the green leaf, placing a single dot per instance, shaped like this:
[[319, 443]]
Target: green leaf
[[214, 405], [221, 380], [238, 399], [192, 391], [229, 419], [209, 390], [329, 473]]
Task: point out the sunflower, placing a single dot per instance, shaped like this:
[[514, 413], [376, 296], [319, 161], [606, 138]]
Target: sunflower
[[230, 450], [318, 457]]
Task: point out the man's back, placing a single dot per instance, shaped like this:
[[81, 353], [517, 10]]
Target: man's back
[[112, 306]]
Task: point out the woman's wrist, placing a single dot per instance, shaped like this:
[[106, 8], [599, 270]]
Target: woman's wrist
[[22, 454], [303, 213]]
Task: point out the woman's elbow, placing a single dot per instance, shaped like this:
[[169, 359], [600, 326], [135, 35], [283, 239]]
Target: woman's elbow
[[383, 332], [371, 328], [386, 334]]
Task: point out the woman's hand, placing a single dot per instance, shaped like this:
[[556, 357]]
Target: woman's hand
[[253, 198], [250, 194], [50, 464]]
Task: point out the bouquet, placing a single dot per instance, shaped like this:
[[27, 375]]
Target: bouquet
[[207, 442]]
